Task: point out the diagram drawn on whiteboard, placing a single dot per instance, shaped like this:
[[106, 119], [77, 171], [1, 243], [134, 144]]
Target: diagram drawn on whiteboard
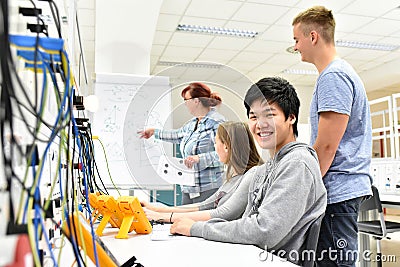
[[130, 103]]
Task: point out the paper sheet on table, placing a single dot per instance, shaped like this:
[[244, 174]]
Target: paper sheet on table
[[174, 171], [161, 233]]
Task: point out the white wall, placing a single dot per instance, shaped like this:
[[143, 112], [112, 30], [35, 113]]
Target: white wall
[[124, 35]]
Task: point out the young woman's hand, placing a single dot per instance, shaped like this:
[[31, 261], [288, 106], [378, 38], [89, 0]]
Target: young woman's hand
[[182, 226], [155, 216], [191, 160]]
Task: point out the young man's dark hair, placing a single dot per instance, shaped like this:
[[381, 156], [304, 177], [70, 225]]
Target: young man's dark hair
[[275, 90]]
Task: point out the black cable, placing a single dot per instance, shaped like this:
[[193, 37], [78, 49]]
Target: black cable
[[98, 174], [56, 16], [28, 191], [33, 111], [35, 61], [85, 162], [55, 69], [6, 107], [7, 100], [81, 48], [36, 51], [57, 22], [72, 181], [8, 95], [94, 165], [39, 19]]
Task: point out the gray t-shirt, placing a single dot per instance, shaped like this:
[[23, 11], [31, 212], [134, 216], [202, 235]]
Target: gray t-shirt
[[340, 89]]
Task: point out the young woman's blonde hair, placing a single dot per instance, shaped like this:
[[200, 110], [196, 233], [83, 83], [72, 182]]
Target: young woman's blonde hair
[[242, 150]]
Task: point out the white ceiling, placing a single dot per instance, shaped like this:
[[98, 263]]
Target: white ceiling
[[242, 61], [357, 20], [360, 20]]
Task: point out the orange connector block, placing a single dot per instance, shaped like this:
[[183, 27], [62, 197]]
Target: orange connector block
[[108, 207], [133, 215], [99, 209], [94, 204]]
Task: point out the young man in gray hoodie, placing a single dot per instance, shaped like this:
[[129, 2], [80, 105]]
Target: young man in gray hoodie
[[286, 194]]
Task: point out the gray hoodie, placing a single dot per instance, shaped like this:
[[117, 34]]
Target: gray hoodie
[[285, 196]]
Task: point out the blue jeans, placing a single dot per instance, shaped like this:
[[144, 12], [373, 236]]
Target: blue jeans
[[338, 238]]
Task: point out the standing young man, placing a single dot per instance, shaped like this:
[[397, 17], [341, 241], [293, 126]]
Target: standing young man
[[286, 194], [341, 134]]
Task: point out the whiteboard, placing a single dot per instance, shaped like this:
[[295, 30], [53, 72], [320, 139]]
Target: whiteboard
[[129, 103]]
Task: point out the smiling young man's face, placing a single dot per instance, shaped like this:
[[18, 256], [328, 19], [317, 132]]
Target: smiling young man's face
[[303, 43], [269, 127]]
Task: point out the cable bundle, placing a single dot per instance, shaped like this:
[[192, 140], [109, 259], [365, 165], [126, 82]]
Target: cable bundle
[[43, 112]]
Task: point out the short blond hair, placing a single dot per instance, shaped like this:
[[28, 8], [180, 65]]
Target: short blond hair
[[317, 18]]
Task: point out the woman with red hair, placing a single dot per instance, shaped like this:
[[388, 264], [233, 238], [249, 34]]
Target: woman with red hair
[[197, 139]]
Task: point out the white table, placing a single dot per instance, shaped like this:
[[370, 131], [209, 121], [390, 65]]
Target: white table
[[187, 251]]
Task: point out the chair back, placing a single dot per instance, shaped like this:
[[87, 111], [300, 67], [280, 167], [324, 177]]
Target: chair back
[[312, 242], [373, 227], [372, 203]]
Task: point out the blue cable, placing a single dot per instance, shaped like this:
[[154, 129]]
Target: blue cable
[[75, 129], [89, 169], [36, 218], [63, 116], [70, 97], [45, 154]]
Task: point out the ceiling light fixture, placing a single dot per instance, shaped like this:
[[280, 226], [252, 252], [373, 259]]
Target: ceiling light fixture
[[191, 64], [300, 72], [364, 45], [356, 44], [216, 31]]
